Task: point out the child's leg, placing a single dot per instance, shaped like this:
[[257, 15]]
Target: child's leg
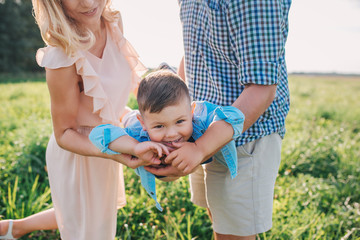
[[44, 220]]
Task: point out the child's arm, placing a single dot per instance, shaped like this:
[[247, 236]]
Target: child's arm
[[114, 140], [190, 155], [149, 151]]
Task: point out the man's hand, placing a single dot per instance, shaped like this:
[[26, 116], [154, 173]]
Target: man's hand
[[168, 171]]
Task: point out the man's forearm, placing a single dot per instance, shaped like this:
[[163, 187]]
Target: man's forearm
[[254, 101]]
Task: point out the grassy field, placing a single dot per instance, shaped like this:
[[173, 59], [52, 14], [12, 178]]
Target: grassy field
[[317, 194]]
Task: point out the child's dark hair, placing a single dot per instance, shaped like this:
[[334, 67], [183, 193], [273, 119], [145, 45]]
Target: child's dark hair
[[161, 89]]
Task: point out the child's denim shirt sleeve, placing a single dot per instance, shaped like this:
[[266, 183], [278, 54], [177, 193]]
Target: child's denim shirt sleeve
[[206, 113], [148, 182], [102, 135]]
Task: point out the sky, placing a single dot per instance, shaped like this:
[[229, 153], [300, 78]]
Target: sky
[[324, 35]]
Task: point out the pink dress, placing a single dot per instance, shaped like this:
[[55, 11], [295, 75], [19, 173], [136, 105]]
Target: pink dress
[[87, 191]]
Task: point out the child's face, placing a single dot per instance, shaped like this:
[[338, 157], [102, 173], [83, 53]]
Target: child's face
[[172, 124]]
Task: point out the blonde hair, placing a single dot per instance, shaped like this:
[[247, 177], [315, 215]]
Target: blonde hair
[[59, 30]]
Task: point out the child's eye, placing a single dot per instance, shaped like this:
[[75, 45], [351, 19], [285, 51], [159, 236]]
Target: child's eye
[[158, 126], [180, 121]]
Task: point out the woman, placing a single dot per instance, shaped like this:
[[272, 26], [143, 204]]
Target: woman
[[90, 70]]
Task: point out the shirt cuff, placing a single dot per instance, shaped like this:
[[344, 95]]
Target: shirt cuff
[[102, 135], [262, 73]]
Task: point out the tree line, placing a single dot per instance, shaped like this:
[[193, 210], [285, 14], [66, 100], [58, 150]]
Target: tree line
[[19, 37]]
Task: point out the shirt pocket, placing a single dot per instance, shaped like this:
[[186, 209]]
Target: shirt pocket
[[215, 28]]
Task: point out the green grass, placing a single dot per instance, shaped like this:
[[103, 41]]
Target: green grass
[[316, 194]]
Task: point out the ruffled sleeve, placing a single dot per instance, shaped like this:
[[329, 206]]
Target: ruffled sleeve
[[54, 58], [130, 54]]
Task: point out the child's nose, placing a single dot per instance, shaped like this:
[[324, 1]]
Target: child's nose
[[171, 132]]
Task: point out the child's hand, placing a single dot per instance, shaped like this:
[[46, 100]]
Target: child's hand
[[150, 152], [186, 158]]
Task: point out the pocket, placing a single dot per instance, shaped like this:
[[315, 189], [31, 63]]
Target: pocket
[[248, 149], [215, 30]]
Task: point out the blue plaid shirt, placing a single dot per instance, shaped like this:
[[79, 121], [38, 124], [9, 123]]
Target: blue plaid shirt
[[231, 43]]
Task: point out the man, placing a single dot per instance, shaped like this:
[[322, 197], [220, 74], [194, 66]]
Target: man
[[235, 55]]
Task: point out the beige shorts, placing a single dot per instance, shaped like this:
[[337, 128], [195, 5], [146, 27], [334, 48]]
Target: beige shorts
[[241, 206]]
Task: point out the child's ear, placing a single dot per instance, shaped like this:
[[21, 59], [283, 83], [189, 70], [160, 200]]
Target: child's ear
[[193, 105], [139, 117]]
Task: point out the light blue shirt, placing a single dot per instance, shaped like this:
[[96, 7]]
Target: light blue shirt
[[204, 114]]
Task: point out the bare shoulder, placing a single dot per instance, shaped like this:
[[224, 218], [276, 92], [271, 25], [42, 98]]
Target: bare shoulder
[[63, 83], [64, 88], [62, 76]]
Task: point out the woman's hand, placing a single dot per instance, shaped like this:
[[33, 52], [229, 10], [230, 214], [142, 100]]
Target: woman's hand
[[128, 160], [146, 153]]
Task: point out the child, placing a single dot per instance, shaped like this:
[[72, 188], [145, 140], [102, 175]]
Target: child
[[167, 117]]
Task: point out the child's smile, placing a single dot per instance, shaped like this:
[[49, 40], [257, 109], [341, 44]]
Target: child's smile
[[171, 125]]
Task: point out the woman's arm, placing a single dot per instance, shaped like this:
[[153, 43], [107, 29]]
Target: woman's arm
[[63, 84]]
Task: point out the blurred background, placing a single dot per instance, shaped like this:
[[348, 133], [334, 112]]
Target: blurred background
[[317, 189], [324, 35]]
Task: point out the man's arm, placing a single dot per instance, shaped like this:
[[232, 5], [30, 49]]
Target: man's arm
[[258, 72], [253, 102], [181, 69]]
